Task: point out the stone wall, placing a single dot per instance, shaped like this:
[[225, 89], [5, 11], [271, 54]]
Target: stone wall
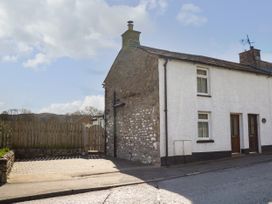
[[6, 164], [134, 78], [31, 153]]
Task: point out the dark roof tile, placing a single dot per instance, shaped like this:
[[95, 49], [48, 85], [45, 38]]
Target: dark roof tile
[[205, 60]]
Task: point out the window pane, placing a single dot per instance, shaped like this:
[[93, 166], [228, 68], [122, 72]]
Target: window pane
[[252, 126], [202, 85], [236, 127], [235, 131], [232, 127], [203, 129], [200, 130], [203, 116], [198, 84], [202, 72]]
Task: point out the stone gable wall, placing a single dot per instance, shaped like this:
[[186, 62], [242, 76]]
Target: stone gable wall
[[134, 78], [6, 164]]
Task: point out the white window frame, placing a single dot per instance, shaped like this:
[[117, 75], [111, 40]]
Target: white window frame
[[204, 120], [205, 77]]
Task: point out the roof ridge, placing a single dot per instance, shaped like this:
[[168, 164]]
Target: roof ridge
[[195, 55], [205, 60]]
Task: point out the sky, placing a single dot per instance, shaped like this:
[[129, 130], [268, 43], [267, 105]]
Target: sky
[[55, 54]]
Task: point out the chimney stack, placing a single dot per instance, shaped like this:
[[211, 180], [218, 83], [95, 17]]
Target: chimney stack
[[131, 38], [251, 57]]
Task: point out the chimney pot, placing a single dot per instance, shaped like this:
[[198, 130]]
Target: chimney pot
[[130, 25]]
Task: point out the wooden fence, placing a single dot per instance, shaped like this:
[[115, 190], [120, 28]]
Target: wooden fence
[[95, 138], [55, 135], [5, 135]]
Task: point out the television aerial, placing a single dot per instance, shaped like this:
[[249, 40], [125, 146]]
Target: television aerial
[[248, 42]]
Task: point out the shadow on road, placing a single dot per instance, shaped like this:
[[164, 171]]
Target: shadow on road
[[188, 182]]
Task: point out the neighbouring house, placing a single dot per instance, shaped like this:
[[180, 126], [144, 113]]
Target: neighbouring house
[[164, 107], [98, 120]]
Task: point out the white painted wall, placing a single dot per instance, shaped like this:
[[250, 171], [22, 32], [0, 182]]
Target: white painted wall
[[231, 91]]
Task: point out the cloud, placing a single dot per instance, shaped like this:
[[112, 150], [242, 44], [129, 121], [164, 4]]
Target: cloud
[[73, 106], [95, 101], [40, 31], [39, 59], [9, 58], [155, 4], [189, 15]]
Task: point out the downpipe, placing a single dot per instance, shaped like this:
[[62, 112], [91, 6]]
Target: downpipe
[[165, 111]]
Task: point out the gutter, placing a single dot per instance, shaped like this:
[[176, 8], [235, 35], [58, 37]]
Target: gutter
[[165, 111]]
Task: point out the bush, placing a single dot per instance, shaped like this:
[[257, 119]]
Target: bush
[[3, 151]]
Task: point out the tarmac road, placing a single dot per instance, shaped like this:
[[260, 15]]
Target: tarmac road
[[248, 184]]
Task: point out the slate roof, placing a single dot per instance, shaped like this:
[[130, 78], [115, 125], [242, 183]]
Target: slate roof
[[206, 60]]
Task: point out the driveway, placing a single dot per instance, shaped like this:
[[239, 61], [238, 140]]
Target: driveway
[[64, 168]]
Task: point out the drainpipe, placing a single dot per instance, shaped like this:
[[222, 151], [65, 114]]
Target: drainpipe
[[165, 111], [115, 105], [105, 133], [105, 121]]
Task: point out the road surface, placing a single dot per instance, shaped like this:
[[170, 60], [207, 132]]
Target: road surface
[[249, 184]]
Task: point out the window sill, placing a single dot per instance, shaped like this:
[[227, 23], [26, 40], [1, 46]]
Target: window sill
[[205, 141], [203, 95]]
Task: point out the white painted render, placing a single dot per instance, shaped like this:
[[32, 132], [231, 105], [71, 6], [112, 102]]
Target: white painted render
[[231, 92]]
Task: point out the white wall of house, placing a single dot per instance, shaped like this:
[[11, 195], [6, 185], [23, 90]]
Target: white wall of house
[[231, 92]]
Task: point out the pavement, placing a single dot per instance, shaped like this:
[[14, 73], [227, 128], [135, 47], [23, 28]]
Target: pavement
[[127, 173], [66, 168]]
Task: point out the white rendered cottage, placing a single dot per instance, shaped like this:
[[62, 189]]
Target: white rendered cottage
[[166, 107]]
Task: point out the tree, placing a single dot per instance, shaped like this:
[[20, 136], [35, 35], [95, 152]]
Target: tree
[[15, 111], [93, 111], [89, 110]]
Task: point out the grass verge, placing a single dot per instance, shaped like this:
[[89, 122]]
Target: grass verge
[[3, 151]]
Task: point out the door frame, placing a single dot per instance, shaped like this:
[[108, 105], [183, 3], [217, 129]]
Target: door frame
[[259, 150], [240, 116]]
